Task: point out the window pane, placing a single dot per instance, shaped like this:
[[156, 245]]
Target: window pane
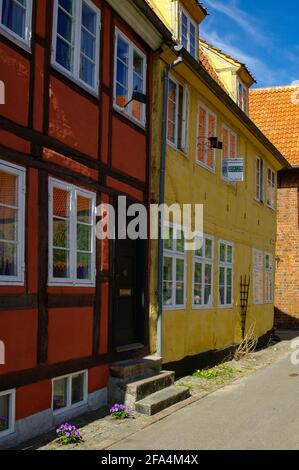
[[208, 274], [123, 51], [4, 412], [64, 54], [8, 189], [14, 16], [209, 248], [168, 238], [88, 18], [61, 264], [77, 388], [179, 295], [65, 25], [84, 209], [167, 293], [167, 276], [228, 295], [192, 40], [60, 233], [88, 44], [138, 64], [180, 265], [61, 202], [84, 266], [8, 259], [67, 5], [198, 273], [60, 394], [8, 224], [208, 295], [221, 295], [222, 252], [229, 254], [221, 276], [197, 295], [229, 277], [171, 111], [87, 71], [121, 96], [199, 247], [180, 241]]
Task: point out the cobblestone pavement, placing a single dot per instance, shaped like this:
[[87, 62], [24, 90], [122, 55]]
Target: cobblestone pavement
[[100, 431]]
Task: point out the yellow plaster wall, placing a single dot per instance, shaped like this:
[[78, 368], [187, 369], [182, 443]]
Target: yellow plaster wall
[[230, 213]]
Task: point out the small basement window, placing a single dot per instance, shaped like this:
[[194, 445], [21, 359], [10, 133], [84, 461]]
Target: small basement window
[[69, 391]]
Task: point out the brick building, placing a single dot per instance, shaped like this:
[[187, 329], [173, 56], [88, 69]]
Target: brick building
[[276, 111]]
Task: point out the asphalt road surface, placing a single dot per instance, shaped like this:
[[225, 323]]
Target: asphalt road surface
[[260, 411]]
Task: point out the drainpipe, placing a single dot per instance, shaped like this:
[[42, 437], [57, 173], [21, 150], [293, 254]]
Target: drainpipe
[[167, 68]]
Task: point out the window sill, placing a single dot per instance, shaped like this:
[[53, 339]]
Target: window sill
[[77, 82], [128, 117], [16, 39], [8, 432], [71, 284], [272, 208], [184, 153], [61, 411], [226, 307], [173, 308], [202, 307], [206, 167], [18, 283]]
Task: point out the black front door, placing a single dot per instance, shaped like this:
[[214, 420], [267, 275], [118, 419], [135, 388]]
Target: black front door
[[128, 293]]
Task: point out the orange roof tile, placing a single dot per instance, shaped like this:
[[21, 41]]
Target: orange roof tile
[[276, 112]]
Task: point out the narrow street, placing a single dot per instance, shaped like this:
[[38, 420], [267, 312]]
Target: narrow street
[[257, 412]]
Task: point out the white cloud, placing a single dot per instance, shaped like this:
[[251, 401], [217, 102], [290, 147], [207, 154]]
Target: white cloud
[[245, 21]]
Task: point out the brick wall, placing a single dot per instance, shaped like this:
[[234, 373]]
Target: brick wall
[[287, 273]]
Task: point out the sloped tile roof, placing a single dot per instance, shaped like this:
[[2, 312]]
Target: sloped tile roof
[[209, 68], [276, 112]]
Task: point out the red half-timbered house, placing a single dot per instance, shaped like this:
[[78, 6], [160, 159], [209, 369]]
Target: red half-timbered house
[[69, 303]]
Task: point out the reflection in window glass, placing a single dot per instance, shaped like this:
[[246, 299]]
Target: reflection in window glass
[[60, 394]]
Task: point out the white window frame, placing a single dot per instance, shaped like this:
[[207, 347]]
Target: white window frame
[[132, 47], [258, 269], [245, 88], [12, 413], [208, 112], [260, 180], [185, 117], [72, 280], [271, 188], [75, 74], [226, 265], [204, 261], [270, 270], [230, 131], [21, 174], [175, 255], [189, 22], [69, 405], [22, 42]]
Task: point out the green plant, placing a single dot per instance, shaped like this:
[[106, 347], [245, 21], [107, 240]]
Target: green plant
[[120, 411], [206, 374], [68, 434]]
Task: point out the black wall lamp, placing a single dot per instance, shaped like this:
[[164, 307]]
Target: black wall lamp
[[137, 96], [215, 143]]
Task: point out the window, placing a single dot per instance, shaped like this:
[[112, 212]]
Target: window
[[229, 147], [69, 391], [268, 278], [7, 413], [207, 123], [188, 33], [72, 235], [259, 193], [177, 115], [242, 97], [174, 269], [226, 273], [76, 41], [130, 76], [16, 17], [12, 213], [258, 277], [203, 274], [271, 188]]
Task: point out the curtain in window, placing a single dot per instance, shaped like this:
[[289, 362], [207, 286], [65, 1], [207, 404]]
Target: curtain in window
[[8, 224], [14, 16]]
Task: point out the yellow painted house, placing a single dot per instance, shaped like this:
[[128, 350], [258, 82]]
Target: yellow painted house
[[202, 294]]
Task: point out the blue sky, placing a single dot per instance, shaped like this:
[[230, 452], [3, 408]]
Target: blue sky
[[261, 33]]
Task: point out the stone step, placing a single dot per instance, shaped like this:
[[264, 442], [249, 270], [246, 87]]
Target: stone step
[[140, 389], [163, 399], [143, 367]]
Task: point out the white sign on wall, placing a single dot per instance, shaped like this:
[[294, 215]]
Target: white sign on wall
[[234, 169]]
